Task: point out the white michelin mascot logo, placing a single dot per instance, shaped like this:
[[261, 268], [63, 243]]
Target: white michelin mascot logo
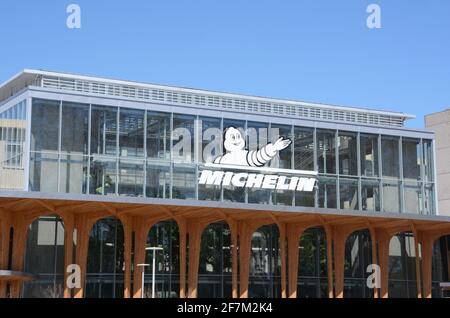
[[236, 154]]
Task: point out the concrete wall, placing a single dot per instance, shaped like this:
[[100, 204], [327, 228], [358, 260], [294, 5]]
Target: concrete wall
[[439, 123]]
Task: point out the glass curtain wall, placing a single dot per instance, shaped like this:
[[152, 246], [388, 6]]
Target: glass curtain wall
[[119, 151]]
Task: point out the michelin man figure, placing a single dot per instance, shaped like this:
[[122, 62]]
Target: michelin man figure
[[236, 154]]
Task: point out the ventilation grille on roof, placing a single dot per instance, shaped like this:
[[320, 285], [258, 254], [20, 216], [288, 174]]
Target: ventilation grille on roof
[[212, 101]]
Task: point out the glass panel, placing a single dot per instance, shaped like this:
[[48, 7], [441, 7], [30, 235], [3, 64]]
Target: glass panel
[[45, 125], [428, 160], [105, 261], [391, 196], [73, 170], [184, 181], [44, 256], [183, 138], [411, 158], [131, 178], [257, 138], [348, 190], [43, 172], [348, 153], [75, 126], [390, 156], [327, 193], [326, 155], [369, 155], [158, 180], [215, 261], [358, 255], [304, 148], [370, 192], [104, 130], [283, 160], [166, 235], [429, 199], [211, 139], [412, 197], [209, 192], [103, 176], [131, 135], [264, 278], [158, 135], [231, 193]]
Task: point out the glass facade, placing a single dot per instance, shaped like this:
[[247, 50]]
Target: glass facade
[[13, 134], [129, 152]]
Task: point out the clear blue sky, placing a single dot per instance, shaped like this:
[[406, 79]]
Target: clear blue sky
[[316, 50]]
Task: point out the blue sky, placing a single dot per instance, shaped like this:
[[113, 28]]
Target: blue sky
[[316, 50]]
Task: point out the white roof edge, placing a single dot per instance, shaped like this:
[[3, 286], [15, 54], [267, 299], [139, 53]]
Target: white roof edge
[[199, 91]]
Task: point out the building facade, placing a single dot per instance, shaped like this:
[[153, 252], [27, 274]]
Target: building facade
[[439, 123], [246, 196]]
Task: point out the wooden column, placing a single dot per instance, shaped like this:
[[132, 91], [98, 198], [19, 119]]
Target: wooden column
[[140, 240], [282, 230], [234, 259], [383, 251], [18, 252], [182, 227], [68, 251], [329, 238], [373, 238], [83, 228], [427, 255], [5, 229], [195, 235], [293, 234], [127, 229], [245, 237], [339, 258], [417, 258]]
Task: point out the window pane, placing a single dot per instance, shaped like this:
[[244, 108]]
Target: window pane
[[348, 154], [429, 199], [303, 149], [391, 196], [369, 155], [413, 197], [348, 190], [390, 157], [184, 181], [232, 193], [370, 192], [73, 174], [411, 159], [326, 157], [44, 172], [183, 138], [211, 141], [257, 138], [104, 131], [75, 125], [327, 193], [131, 136], [283, 160], [45, 125], [158, 135], [428, 160], [131, 178], [158, 180], [103, 176]]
